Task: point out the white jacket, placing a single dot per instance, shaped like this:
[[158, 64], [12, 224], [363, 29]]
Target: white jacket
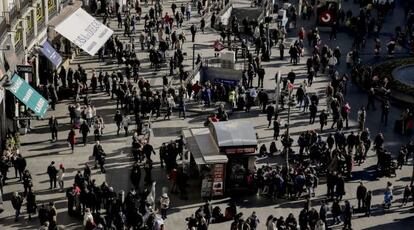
[[87, 218]]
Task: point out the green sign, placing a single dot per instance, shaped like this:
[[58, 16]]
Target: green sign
[[29, 96]]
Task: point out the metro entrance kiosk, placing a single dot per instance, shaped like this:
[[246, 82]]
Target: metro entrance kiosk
[[224, 155]]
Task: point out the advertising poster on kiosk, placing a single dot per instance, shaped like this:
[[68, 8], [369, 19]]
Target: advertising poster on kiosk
[[218, 180]]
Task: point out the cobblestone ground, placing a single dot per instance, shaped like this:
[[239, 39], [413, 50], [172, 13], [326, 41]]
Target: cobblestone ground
[[39, 151]]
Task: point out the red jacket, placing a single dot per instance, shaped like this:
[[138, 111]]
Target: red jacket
[[72, 137]]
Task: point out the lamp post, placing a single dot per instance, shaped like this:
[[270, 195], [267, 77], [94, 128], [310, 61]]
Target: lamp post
[[277, 90], [290, 89], [288, 134]]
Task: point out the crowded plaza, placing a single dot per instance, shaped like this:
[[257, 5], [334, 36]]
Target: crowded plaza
[[206, 114]]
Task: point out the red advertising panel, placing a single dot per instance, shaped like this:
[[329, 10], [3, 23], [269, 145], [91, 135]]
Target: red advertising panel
[[218, 180]]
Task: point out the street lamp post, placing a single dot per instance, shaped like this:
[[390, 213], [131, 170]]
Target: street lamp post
[[290, 89], [277, 91], [288, 135]]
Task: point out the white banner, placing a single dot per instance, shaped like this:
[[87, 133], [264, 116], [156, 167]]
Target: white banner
[[85, 31]]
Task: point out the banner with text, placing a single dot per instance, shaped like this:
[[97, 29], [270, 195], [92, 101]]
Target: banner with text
[[29, 96], [85, 31], [51, 54]]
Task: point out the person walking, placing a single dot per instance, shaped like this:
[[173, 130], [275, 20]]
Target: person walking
[[165, 205], [260, 74], [118, 120], [84, 130], [72, 139], [20, 163], [345, 111], [371, 99], [148, 172], [270, 112], [31, 204], [136, 176], [182, 107], [347, 216], [336, 211], [276, 128], [52, 214], [52, 172], [53, 125], [361, 118], [281, 49], [100, 157], [361, 194], [385, 109], [60, 176], [323, 119], [367, 202], [313, 110], [17, 202], [193, 30], [125, 123]]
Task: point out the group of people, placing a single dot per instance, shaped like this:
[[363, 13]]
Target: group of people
[[101, 207]]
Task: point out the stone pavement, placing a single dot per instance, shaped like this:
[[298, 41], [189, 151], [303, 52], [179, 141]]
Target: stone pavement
[[39, 151]]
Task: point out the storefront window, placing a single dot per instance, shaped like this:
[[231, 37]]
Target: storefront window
[[39, 11], [51, 5]]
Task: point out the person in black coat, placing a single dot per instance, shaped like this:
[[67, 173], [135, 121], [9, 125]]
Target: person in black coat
[[276, 128], [62, 76], [31, 204], [70, 194], [270, 111], [261, 75], [17, 202], [43, 214], [340, 187], [193, 30], [84, 130], [52, 172], [313, 109], [20, 164], [53, 96], [263, 99], [347, 215], [53, 125], [136, 176], [323, 119], [118, 120], [361, 194], [100, 158]]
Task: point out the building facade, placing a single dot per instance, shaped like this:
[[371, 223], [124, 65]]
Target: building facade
[[24, 26]]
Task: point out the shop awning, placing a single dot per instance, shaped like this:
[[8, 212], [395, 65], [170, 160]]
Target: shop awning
[[202, 146], [234, 133]]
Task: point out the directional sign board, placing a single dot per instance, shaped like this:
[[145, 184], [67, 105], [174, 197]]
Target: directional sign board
[[29, 96], [24, 68], [51, 54]]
